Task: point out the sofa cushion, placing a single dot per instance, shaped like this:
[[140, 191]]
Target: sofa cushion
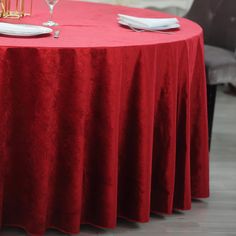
[[220, 65]]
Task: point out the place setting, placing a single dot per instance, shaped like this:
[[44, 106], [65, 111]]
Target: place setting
[[141, 24], [20, 10]]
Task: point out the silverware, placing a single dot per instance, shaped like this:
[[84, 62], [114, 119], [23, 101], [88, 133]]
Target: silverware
[[56, 34], [157, 31]]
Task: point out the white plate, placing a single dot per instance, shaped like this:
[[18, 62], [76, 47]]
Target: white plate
[[23, 30]]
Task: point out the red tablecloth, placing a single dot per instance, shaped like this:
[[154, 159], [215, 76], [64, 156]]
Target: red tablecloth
[[101, 123]]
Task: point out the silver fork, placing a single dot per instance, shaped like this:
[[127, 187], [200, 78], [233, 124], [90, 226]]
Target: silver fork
[[157, 31]]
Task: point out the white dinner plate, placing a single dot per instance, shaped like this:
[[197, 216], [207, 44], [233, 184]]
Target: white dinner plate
[[23, 30]]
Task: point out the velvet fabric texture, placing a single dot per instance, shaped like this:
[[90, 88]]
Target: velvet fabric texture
[[101, 123]]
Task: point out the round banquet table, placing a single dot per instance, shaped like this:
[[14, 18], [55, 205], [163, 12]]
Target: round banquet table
[[101, 123]]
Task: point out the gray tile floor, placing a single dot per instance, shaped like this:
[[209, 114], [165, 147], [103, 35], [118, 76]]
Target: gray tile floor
[[215, 216]]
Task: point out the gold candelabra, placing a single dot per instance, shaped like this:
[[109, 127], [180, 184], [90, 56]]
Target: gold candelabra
[[15, 8]]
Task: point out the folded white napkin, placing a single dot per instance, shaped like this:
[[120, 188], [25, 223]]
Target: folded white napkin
[[23, 29], [148, 23]]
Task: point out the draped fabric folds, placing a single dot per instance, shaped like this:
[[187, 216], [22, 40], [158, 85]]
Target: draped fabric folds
[[93, 133]]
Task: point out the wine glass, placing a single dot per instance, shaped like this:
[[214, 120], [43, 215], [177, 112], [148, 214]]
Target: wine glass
[[51, 4]]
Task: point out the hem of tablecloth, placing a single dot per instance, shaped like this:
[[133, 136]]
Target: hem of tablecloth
[[155, 212]]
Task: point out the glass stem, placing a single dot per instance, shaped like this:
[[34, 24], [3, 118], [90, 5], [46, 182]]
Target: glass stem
[[51, 11]]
